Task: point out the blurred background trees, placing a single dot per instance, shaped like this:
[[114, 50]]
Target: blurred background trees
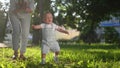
[[86, 15], [83, 15], [3, 21]]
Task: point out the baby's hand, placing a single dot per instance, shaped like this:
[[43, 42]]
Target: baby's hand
[[67, 33], [36, 26]]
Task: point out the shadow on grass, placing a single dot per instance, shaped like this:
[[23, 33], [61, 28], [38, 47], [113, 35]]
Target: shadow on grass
[[105, 56], [90, 47], [47, 65], [101, 52]]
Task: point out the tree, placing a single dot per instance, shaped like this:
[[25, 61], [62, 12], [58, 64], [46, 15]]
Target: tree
[[111, 35], [42, 6], [85, 15], [3, 21]]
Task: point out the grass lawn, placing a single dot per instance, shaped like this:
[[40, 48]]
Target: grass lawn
[[71, 56]]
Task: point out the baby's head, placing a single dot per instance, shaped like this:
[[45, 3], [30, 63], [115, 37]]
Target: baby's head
[[48, 17]]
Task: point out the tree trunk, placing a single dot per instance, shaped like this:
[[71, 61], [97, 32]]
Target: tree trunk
[[3, 21], [43, 5], [37, 35]]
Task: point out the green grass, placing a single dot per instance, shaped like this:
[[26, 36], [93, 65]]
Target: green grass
[[71, 56]]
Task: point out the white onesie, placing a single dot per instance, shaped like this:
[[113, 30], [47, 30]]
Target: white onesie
[[49, 41]]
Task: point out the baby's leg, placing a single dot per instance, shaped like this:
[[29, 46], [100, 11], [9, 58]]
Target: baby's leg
[[56, 57], [56, 49], [56, 53], [44, 51], [43, 57]]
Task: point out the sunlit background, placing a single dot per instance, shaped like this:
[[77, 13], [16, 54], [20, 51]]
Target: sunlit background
[[5, 2]]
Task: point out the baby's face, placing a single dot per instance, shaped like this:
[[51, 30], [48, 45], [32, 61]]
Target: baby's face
[[48, 18]]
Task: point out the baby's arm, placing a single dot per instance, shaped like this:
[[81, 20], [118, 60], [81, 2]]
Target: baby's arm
[[60, 29], [36, 26]]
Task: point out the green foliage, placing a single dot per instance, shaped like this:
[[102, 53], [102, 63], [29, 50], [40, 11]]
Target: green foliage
[[71, 56], [89, 37], [86, 10], [78, 14], [85, 15], [111, 35]]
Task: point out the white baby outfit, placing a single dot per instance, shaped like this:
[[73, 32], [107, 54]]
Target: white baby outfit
[[49, 41]]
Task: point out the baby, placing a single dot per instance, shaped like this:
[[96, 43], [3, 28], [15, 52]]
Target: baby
[[49, 41]]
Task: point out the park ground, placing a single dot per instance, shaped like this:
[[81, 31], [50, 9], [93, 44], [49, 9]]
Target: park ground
[[77, 55]]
